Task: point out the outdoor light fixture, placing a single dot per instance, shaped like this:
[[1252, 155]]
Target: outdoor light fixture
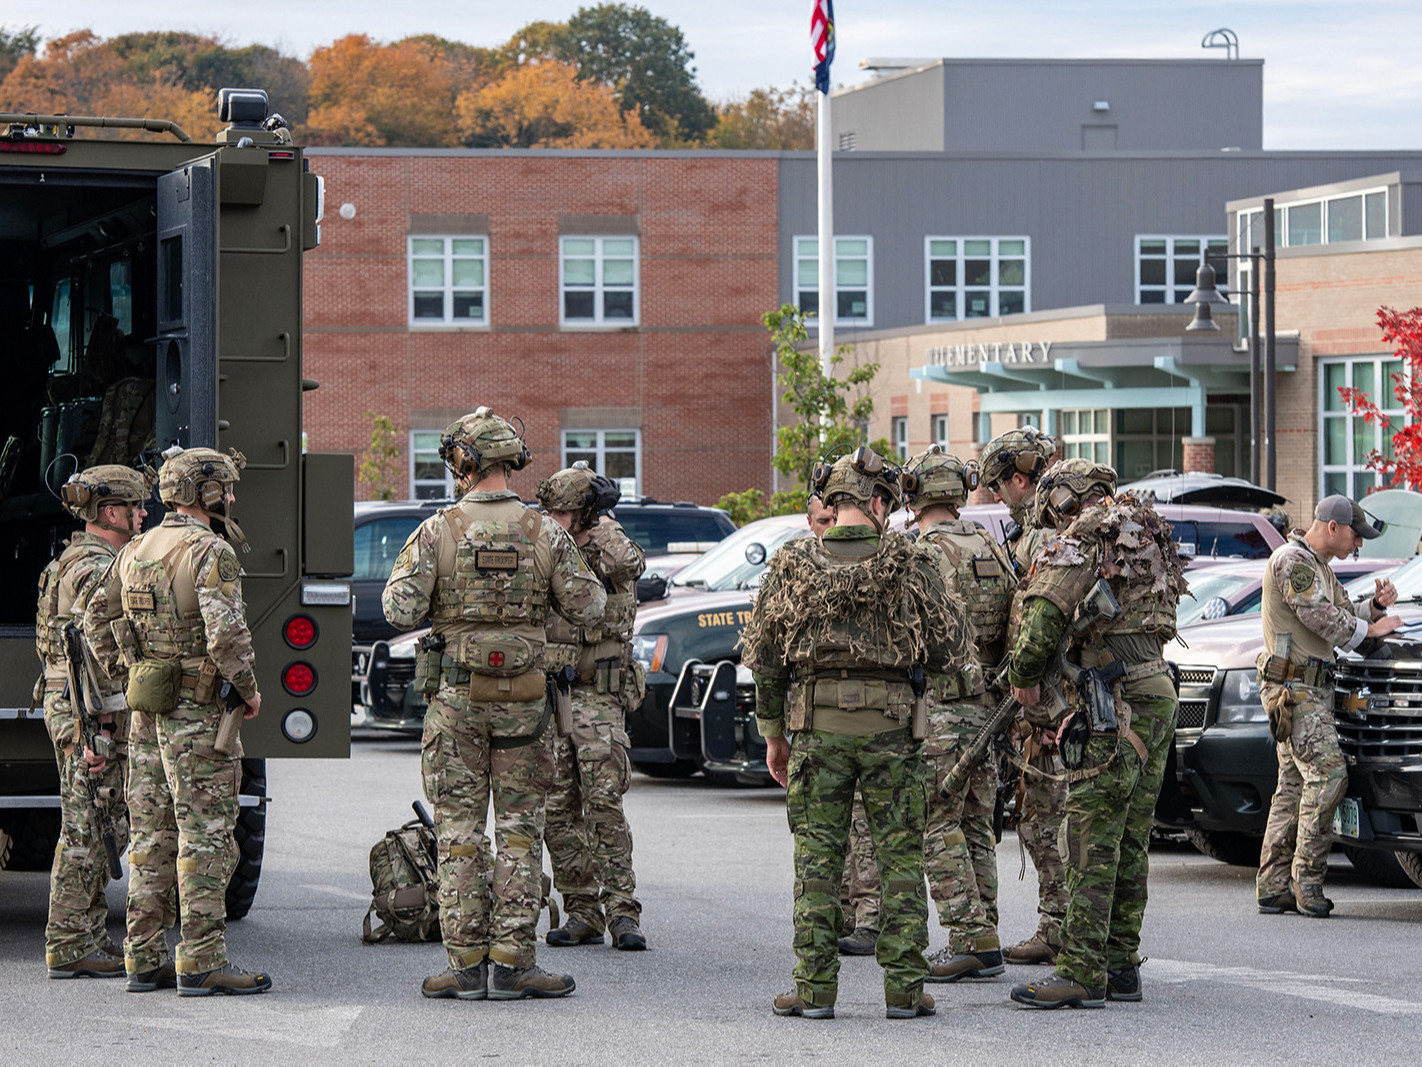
[[1101, 105], [1202, 296]]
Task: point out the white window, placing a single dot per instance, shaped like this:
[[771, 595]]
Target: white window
[[1086, 435], [898, 430], [853, 279], [430, 479], [1358, 216], [614, 453], [598, 281], [976, 277], [449, 281], [940, 431], [1345, 440], [1149, 439], [1166, 266]]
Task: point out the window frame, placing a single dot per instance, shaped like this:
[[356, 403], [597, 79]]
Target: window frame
[[1356, 466], [898, 435], [600, 289], [812, 323], [938, 429], [600, 451], [1212, 242], [960, 286], [1244, 219], [450, 490], [448, 289]]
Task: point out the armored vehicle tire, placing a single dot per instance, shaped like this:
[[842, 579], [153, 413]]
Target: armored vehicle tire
[[251, 836], [682, 768], [1411, 862], [34, 833], [1379, 867], [1227, 846]]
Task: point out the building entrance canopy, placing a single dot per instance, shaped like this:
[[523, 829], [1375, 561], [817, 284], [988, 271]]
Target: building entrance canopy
[[1047, 377]]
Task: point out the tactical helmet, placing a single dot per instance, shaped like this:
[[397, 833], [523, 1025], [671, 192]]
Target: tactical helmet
[[578, 489], [1027, 450], [478, 442], [1063, 490], [87, 491], [855, 477], [199, 477], [935, 477]]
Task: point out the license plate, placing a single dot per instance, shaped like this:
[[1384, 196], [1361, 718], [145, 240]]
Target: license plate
[[1345, 819]]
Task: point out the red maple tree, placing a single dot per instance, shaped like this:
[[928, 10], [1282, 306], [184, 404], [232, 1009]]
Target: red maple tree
[[1403, 466]]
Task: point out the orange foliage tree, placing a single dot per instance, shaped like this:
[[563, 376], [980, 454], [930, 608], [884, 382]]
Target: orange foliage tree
[[767, 118], [546, 106], [367, 93], [1400, 461]]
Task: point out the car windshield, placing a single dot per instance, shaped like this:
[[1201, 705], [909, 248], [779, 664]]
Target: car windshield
[[1407, 578], [726, 567], [1204, 588], [378, 542], [1221, 539], [656, 528]]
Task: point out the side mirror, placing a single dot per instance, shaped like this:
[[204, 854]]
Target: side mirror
[[755, 553]]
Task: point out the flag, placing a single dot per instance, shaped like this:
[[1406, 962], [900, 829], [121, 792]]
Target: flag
[[822, 41]]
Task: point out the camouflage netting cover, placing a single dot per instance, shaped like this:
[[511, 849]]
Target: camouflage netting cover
[[890, 610]]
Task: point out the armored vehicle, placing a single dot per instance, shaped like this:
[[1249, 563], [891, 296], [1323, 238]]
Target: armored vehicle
[[150, 295]]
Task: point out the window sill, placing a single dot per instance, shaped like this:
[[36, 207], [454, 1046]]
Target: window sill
[[446, 327], [577, 326]]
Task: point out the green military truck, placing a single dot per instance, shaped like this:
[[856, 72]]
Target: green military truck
[[150, 294]]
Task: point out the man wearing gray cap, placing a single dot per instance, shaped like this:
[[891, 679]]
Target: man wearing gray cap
[[1307, 614]]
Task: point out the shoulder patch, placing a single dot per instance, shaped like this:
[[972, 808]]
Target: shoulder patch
[[402, 561], [1300, 577], [227, 568]]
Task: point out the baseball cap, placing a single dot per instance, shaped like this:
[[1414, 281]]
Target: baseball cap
[[1338, 508]]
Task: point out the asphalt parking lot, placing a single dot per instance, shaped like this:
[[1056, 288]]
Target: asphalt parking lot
[[714, 868]]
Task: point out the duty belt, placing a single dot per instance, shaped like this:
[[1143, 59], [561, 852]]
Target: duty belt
[[1318, 673], [850, 673], [1151, 667]]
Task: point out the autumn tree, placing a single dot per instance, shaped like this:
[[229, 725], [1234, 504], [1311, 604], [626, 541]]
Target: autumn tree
[[1400, 459], [546, 106], [367, 93], [380, 470], [767, 119], [14, 45]]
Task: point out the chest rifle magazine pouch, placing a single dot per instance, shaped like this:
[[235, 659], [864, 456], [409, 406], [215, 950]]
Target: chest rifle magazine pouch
[[153, 686]]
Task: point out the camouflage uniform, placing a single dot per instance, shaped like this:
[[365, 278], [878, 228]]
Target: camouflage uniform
[[1042, 796], [836, 627], [77, 909], [1111, 799], [589, 842], [960, 846], [485, 572], [859, 892], [1303, 598], [178, 591]]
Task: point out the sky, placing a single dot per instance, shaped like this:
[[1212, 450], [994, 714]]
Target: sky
[[1338, 74]]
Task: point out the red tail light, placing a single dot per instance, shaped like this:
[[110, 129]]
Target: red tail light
[[299, 678], [300, 632]]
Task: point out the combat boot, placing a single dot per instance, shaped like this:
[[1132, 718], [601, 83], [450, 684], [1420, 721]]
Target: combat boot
[[574, 932], [97, 964], [859, 943], [226, 979], [1124, 983], [161, 977], [1058, 991], [985, 961], [462, 983], [1311, 901], [515, 983], [1036, 949], [794, 1004], [913, 1011], [626, 934], [1277, 903]]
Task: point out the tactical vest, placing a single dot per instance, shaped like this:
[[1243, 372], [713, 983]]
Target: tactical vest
[[617, 619], [160, 593], [983, 579], [494, 596], [52, 614], [1278, 617]]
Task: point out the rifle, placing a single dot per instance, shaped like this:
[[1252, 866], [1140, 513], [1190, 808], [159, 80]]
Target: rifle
[[1099, 603], [93, 737], [231, 725]]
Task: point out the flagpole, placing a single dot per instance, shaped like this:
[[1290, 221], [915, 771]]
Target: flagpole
[[827, 309]]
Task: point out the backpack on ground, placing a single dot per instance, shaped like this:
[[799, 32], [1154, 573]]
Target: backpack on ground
[[404, 876]]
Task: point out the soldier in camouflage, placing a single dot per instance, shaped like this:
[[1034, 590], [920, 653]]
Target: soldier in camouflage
[[589, 841], [1306, 614], [960, 848], [168, 616], [485, 573], [109, 500], [840, 634], [1012, 463], [1120, 739]]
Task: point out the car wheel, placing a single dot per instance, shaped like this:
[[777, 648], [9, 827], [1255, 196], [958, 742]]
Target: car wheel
[[681, 768], [1379, 867], [1227, 846], [1411, 862], [251, 836]]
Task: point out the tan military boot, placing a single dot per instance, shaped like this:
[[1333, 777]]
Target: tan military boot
[[464, 983], [1311, 901], [574, 932], [161, 977], [984, 961], [97, 964], [626, 934], [228, 980], [794, 1004], [1058, 991], [515, 983], [1036, 949], [924, 1006]]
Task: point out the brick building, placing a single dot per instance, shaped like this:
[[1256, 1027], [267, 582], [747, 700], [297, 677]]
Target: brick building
[[609, 299]]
